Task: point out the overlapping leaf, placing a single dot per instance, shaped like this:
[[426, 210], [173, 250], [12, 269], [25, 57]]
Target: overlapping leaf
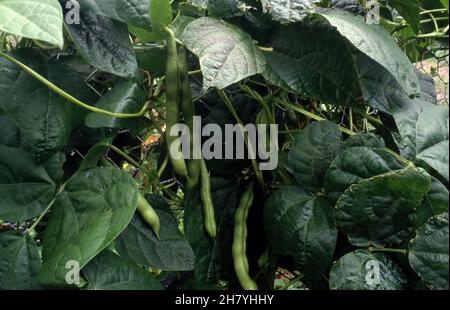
[[381, 210], [35, 19], [93, 210], [227, 54], [299, 224]]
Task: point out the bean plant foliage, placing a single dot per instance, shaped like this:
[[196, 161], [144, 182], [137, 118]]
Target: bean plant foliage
[[358, 200]]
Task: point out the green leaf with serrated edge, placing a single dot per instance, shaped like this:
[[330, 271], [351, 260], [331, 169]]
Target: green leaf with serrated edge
[[390, 202], [312, 152], [227, 54], [378, 44], [104, 43], [290, 11], [361, 270], [317, 64], [171, 252], [25, 187], [35, 19], [356, 164], [108, 271], [300, 224], [125, 97], [429, 250], [94, 208], [19, 262]]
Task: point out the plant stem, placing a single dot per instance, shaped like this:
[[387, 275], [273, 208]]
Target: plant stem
[[313, 116], [233, 112], [388, 250], [127, 157], [291, 282], [69, 97], [49, 206]]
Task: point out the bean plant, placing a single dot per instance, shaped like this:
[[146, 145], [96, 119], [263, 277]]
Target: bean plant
[[95, 192]]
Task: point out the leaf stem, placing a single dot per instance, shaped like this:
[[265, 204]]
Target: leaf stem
[[49, 206], [69, 97], [233, 112], [388, 250], [127, 157], [313, 116]]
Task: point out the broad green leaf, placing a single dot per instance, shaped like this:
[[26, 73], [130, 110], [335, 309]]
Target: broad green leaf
[[25, 187], [410, 10], [130, 12], [381, 210], [213, 257], [226, 8], [436, 202], [95, 207], [9, 132], [124, 97], [423, 126], [161, 15], [44, 118], [427, 87], [171, 252], [381, 90], [428, 252], [366, 139], [35, 19], [317, 63], [378, 44], [356, 164], [290, 11], [19, 262], [361, 270], [152, 59], [95, 154], [425, 130], [54, 167], [300, 224], [180, 23], [312, 152], [445, 3], [227, 54], [104, 43], [108, 271]]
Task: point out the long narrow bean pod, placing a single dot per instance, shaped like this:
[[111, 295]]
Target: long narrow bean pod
[[188, 109], [172, 105], [239, 248], [206, 197], [149, 214]]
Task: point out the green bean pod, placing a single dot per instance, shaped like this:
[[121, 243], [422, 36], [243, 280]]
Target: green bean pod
[[172, 105], [208, 206], [188, 109], [239, 249], [149, 214]]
